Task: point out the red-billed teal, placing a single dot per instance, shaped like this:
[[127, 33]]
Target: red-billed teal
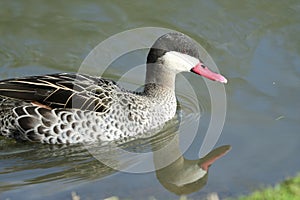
[[74, 108]]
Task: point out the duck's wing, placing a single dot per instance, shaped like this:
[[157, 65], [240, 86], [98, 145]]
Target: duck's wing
[[62, 90]]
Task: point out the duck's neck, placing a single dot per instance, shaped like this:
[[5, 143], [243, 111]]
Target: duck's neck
[[157, 76]]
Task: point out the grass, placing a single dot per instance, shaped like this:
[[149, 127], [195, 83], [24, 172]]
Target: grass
[[287, 190]]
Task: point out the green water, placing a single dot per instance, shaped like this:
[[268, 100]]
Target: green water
[[255, 44]]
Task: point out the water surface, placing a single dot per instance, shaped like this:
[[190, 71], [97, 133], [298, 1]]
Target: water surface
[[255, 45]]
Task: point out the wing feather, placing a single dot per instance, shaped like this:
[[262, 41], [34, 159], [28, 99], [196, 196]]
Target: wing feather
[[62, 90]]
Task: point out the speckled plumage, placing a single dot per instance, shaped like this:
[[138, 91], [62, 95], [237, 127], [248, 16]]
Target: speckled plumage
[[83, 109]]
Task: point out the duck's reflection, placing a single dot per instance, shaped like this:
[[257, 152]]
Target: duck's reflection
[[74, 163], [186, 176]]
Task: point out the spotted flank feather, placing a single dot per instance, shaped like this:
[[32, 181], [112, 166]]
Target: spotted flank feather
[[57, 126]]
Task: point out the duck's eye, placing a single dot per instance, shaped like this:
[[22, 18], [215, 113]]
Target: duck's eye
[[184, 51]]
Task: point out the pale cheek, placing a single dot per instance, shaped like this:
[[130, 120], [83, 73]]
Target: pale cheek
[[177, 65], [179, 62]]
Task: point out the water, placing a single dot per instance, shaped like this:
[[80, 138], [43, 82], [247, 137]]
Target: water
[[254, 44]]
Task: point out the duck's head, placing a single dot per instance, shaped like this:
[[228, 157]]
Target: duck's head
[[177, 52]]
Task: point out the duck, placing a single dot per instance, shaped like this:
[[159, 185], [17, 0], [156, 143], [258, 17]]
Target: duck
[[64, 108]]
